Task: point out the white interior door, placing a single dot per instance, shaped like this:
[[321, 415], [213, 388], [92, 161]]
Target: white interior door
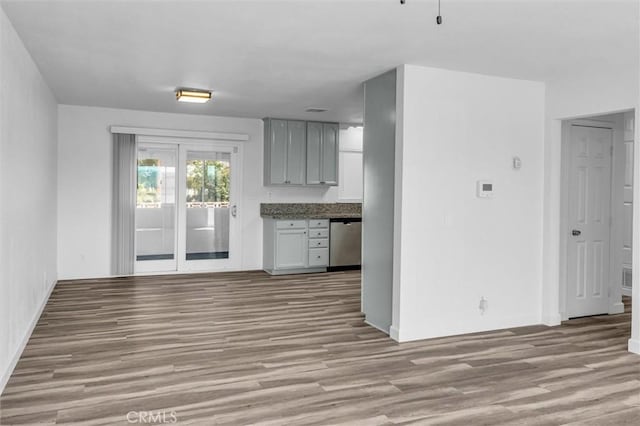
[[589, 221]]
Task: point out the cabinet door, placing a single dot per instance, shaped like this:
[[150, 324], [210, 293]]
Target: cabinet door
[[329, 163], [291, 249], [278, 150], [297, 141], [314, 150]]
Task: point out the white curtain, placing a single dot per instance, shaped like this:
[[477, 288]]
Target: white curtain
[[124, 203]]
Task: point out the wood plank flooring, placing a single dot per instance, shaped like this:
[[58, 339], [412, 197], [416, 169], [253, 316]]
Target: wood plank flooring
[[247, 348]]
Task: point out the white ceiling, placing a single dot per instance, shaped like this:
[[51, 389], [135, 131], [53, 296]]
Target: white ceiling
[[275, 58]]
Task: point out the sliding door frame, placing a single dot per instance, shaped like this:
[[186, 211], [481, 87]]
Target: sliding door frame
[[145, 267], [233, 261], [234, 148]]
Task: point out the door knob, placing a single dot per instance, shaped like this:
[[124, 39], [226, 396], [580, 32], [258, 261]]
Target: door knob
[[576, 232]]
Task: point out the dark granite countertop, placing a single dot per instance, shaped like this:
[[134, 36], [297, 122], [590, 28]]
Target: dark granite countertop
[[310, 210]]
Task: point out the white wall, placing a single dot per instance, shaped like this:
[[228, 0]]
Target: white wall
[[634, 341], [621, 206], [625, 219], [28, 192], [589, 93], [84, 208], [458, 128]]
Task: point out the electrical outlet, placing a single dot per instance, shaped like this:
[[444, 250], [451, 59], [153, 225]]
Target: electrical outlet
[[483, 305]]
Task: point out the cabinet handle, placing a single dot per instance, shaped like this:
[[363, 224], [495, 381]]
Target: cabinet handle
[[322, 182], [318, 256]]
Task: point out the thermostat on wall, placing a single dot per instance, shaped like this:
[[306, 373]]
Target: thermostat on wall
[[485, 189]]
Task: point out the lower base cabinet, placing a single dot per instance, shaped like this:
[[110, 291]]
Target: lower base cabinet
[[295, 246], [290, 249]]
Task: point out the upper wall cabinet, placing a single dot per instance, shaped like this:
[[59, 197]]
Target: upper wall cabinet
[[300, 152], [284, 152], [322, 153]]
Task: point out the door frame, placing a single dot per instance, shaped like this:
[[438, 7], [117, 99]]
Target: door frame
[[615, 306], [235, 229], [182, 144], [158, 266]]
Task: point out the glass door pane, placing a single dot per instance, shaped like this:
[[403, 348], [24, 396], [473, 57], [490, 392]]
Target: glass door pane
[[156, 208], [208, 191]]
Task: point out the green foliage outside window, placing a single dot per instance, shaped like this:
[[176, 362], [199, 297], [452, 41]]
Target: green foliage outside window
[[207, 181], [148, 191]]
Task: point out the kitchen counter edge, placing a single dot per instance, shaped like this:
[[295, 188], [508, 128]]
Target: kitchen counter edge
[[312, 216]]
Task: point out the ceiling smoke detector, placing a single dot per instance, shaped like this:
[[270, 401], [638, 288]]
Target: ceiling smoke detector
[[316, 109]]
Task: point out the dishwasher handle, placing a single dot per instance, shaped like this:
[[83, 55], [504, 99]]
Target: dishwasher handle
[[346, 220]]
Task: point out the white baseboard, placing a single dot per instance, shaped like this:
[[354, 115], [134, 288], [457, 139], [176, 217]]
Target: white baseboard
[[385, 331], [552, 319], [394, 333], [616, 308], [634, 346], [4, 379], [453, 328]]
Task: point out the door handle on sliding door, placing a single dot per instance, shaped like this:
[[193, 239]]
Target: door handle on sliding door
[[234, 210]]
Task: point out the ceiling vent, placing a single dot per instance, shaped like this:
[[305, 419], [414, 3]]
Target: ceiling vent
[[316, 109]]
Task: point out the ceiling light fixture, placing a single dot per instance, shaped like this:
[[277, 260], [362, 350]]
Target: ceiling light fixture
[[193, 95]]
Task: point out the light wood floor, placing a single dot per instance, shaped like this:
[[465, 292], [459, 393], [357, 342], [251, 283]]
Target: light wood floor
[[248, 348]]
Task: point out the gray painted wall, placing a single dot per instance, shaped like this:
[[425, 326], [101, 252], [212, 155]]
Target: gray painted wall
[[378, 200]]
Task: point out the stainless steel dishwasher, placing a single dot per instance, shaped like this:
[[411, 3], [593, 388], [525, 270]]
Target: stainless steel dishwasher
[[345, 243]]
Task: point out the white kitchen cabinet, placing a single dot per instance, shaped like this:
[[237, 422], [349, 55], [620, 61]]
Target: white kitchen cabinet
[[319, 257], [285, 143], [322, 153], [318, 242], [300, 152], [291, 248], [319, 223], [295, 246]]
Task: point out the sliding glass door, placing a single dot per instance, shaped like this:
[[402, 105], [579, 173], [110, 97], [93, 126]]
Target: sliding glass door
[[209, 207], [186, 218], [155, 240]]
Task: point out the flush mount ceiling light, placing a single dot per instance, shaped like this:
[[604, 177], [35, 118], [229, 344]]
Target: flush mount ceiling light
[[193, 95]]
